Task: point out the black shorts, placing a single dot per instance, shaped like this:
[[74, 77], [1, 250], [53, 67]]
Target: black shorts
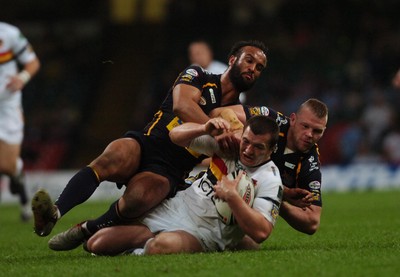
[[163, 157]]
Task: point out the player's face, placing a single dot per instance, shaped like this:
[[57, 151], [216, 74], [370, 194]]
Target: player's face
[[306, 129], [254, 149], [200, 54], [246, 68]]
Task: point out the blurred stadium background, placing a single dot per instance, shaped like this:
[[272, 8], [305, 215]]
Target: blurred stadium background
[[107, 64]]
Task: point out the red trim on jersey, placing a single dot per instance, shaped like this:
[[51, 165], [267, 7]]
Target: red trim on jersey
[[218, 167], [6, 56]]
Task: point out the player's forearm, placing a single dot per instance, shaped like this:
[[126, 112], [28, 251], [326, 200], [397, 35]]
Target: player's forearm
[[250, 221], [304, 220], [182, 135], [32, 67], [190, 112], [238, 109]]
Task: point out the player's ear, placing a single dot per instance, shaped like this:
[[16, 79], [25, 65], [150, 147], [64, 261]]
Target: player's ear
[[293, 117], [232, 60]]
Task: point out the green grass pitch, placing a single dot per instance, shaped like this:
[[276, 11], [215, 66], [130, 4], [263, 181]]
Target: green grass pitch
[[359, 236]]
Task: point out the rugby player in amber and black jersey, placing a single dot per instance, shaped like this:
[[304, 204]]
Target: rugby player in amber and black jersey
[[147, 161], [297, 158]]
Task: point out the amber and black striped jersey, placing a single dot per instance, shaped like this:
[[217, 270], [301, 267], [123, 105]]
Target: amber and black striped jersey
[[210, 86], [165, 119], [301, 170]]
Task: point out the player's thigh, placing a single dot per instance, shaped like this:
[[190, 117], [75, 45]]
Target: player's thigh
[[116, 239], [173, 242], [9, 154], [119, 161], [143, 192]]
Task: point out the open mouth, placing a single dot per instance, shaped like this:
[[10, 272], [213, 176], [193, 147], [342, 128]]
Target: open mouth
[[248, 76]]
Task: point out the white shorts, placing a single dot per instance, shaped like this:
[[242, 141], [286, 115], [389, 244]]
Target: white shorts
[[11, 125], [175, 214]]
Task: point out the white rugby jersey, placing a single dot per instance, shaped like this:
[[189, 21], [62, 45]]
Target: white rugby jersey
[[193, 210], [14, 49], [200, 195]]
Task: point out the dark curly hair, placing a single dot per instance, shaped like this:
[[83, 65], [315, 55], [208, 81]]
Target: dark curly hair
[[237, 48]]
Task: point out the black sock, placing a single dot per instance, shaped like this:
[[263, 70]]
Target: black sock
[[81, 186], [110, 218], [17, 187]]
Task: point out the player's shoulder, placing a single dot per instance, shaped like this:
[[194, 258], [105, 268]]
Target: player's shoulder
[[192, 73], [268, 171], [9, 29]]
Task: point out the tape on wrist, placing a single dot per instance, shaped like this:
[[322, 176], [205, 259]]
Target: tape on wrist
[[24, 76]]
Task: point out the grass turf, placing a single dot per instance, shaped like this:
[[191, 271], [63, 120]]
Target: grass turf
[[359, 236]]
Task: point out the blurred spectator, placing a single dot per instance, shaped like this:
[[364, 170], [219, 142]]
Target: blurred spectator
[[376, 117], [391, 143], [396, 80], [200, 53]]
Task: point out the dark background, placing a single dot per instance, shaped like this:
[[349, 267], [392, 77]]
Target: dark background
[[107, 65]]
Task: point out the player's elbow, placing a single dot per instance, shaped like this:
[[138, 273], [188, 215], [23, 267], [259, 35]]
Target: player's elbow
[[259, 238], [261, 235], [311, 228], [181, 110]]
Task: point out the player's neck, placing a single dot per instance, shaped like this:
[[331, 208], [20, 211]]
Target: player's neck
[[229, 92]]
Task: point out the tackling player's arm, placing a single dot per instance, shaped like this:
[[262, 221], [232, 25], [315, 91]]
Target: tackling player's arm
[[185, 104], [238, 109], [305, 220], [184, 134], [252, 222]]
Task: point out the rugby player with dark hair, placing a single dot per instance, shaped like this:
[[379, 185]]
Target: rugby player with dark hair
[[146, 161]]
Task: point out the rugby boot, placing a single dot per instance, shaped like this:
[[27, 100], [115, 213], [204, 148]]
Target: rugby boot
[[69, 239], [44, 213]]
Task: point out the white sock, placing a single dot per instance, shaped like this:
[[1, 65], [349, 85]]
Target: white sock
[[19, 167]]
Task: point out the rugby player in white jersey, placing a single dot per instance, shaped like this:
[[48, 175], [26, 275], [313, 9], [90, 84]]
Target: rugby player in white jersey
[[189, 222], [15, 53]]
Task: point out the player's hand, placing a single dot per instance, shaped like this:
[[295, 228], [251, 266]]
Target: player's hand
[[226, 188], [15, 83], [298, 197], [216, 126], [229, 143]]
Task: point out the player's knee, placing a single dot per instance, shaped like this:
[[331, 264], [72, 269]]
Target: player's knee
[[93, 245], [161, 244], [141, 196], [132, 205]]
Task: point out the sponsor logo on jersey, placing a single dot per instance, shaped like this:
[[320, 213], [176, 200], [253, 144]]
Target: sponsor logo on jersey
[[281, 119], [255, 111], [316, 196], [187, 78], [315, 185], [264, 111], [192, 72], [202, 101], [275, 211], [290, 165], [313, 164], [212, 95]]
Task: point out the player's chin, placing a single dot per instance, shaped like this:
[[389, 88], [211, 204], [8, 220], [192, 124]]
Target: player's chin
[[305, 146], [247, 161]]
